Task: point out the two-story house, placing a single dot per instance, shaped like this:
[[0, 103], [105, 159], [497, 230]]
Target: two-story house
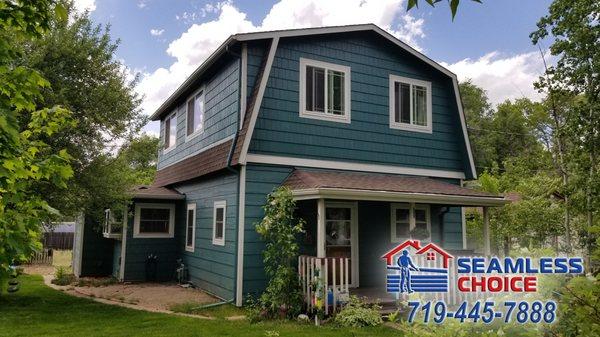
[[367, 132]]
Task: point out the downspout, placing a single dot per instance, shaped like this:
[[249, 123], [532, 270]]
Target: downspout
[[443, 212]]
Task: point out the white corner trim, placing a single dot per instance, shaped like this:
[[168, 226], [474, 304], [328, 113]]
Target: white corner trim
[[124, 246], [239, 285], [346, 117], [259, 97], [392, 104], [219, 204], [190, 248], [350, 166], [136, 221], [243, 85], [463, 124]]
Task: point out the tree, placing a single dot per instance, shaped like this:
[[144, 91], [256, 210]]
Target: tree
[[453, 4], [141, 156], [26, 160], [78, 58], [576, 33]]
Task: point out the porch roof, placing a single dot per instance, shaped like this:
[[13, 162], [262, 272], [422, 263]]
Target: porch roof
[[307, 184], [156, 192]]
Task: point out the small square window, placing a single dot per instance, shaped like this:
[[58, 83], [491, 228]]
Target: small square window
[[430, 256], [154, 220]]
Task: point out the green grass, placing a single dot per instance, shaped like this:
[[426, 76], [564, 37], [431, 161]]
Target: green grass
[[221, 311], [37, 310]]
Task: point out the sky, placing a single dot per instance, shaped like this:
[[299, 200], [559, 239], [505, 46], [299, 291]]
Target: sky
[[164, 41]]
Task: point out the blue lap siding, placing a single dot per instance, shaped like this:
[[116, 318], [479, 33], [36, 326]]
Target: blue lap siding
[[211, 267], [368, 138]]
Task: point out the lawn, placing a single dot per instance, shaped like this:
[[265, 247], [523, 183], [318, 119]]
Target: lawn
[[37, 310]]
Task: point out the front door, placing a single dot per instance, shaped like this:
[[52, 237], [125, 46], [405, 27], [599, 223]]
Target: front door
[[341, 236]]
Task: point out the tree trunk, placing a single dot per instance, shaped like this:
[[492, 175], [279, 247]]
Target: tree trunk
[[506, 246]]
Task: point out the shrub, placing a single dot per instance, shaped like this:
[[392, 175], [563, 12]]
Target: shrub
[[96, 281], [358, 314], [578, 308], [279, 229], [63, 277]]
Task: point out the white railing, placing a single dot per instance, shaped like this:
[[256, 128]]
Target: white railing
[[325, 281]]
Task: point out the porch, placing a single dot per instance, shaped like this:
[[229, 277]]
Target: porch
[[353, 219]]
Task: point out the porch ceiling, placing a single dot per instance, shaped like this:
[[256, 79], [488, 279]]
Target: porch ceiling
[[307, 184]]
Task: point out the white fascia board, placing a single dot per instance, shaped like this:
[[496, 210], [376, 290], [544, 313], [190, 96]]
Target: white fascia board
[[346, 194]]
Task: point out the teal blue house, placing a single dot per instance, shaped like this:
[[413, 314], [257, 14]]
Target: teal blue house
[[367, 132]]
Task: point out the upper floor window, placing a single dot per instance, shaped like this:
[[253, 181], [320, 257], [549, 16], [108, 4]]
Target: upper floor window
[[324, 91], [170, 131], [410, 104], [195, 114]]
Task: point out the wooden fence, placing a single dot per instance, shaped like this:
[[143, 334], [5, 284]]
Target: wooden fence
[[58, 240], [45, 256]]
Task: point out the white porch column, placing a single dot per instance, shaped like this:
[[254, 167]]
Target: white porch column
[[321, 227], [486, 231]]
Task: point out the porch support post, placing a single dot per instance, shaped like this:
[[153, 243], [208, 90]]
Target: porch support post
[[486, 232], [321, 227]]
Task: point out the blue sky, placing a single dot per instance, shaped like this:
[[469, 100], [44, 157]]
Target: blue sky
[[166, 40]]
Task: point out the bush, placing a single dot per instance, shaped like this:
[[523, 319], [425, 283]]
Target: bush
[[96, 281], [358, 314], [578, 308], [279, 229], [63, 277]]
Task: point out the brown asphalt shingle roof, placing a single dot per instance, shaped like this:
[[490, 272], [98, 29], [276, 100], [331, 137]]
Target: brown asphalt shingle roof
[[155, 192], [304, 179]]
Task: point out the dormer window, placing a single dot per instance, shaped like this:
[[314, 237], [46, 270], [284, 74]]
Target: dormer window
[[195, 114], [410, 104], [170, 131], [324, 91]]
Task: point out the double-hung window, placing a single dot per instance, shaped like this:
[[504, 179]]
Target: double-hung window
[[170, 131], [219, 223], [154, 221], [410, 104], [190, 228], [410, 221], [195, 115], [324, 91]]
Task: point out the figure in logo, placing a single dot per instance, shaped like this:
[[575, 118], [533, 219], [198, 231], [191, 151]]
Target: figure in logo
[[405, 263]]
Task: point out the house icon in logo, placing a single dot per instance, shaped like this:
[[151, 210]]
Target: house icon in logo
[[415, 268]]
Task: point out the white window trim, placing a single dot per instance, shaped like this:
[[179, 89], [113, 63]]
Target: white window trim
[[346, 118], [411, 219], [201, 129], [171, 146], [136, 221], [392, 102], [191, 248], [219, 204], [108, 222]]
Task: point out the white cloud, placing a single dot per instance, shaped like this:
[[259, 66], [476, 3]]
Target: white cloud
[[201, 39], [503, 77], [84, 5], [156, 32], [142, 4]]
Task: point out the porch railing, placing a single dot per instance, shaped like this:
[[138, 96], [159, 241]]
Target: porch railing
[[325, 281]]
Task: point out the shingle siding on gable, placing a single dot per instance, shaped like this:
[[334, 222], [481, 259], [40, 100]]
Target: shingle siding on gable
[[368, 138], [220, 121]]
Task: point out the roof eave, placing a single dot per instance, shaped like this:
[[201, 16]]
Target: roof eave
[[352, 194], [159, 197]]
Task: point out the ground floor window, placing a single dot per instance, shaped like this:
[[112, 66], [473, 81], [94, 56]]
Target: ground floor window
[[154, 220], [219, 223], [190, 228], [410, 221]]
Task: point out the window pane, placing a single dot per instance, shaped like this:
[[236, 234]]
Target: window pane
[[154, 220], [338, 233], [190, 117], [190, 227], [404, 103], [219, 231], [173, 131], [402, 214], [335, 90], [420, 105], [219, 219], [421, 215], [315, 89], [198, 112], [402, 229], [337, 213], [421, 226], [167, 132]]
